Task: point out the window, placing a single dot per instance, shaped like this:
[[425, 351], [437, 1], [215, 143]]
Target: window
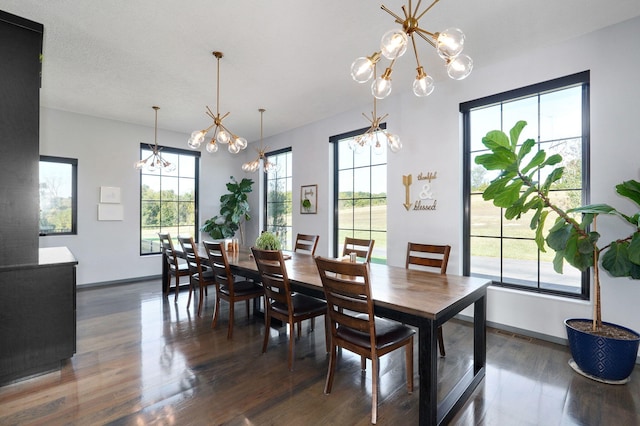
[[557, 116], [360, 195], [168, 201], [278, 197], [58, 195]]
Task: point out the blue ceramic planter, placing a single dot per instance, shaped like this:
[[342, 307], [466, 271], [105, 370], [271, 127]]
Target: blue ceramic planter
[[602, 358]]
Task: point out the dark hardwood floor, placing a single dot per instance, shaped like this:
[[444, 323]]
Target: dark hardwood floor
[[143, 360]]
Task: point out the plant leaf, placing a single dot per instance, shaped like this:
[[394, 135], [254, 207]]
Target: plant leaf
[[537, 159], [515, 132], [616, 259], [630, 189]]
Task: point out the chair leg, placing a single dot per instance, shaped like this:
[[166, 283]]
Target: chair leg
[[332, 368], [216, 312], [363, 363], [267, 326], [248, 309], [177, 290], [374, 389], [203, 289], [231, 316], [299, 327], [441, 342], [190, 292], [327, 332], [408, 351], [291, 344]]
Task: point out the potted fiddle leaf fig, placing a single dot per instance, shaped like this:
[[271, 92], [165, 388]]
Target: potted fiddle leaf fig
[[602, 351], [268, 241], [234, 211]]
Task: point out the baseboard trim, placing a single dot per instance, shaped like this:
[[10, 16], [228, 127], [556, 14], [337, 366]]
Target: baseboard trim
[[117, 282], [524, 332]]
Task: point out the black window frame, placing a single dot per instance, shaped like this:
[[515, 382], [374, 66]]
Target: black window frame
[[337, 245], [265, 201], [179, 151], [578, 79], [74, 192]]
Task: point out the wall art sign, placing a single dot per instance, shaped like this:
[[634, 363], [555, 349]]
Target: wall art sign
[[309, 199], [425, 200]]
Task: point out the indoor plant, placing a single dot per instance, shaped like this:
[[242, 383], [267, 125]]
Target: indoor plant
[[268, 241], [516, 190], [234, 210]]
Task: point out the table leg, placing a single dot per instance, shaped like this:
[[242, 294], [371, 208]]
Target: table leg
[[479, 334], [428, 371], [165, 274]]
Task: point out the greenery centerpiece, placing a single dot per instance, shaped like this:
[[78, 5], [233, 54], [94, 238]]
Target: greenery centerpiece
[[234, 210], [268, 241]]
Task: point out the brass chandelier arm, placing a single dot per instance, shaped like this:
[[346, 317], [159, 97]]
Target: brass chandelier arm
[[415, 50], [429, 40], [426, 10], [399, 20]]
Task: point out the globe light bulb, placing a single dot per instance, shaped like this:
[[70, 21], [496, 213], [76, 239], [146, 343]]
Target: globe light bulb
[[246, 167], [212, 146], [394, 44], [381, 88], [394, 142], [169, 167], [377, 147], [233, 148], [423, 86], [240, 142], [362, 69], [459, 67], [196, 139], [450, 43], [223, 136]]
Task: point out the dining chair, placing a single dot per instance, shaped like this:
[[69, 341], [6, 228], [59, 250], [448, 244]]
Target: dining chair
[[175, 267], [227, 288], [306, 243], [280, 302], [429, 257], [353, 325], [200, 276], [363, 248]]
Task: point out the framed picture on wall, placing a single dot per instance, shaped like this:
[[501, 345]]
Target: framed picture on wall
[[309, 199]]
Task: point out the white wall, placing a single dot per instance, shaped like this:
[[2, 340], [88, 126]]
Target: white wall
[[106, 150], [431, 133]]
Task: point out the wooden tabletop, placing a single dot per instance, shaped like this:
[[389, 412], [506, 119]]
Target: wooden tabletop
[[414, 292]]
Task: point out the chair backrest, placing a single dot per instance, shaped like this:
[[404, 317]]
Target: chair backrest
[[167, 248], [306, 243], [362, 248], [219, 264], [428, 255], [190, 249], [273, 273], [348, 292]]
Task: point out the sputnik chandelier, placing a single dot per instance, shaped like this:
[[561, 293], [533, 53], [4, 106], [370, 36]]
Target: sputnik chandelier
[[372, 137], [155, 161], [448, 43], [221, 135], [267, 166]]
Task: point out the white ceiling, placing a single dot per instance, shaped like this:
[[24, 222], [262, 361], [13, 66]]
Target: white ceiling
[[117, 58]]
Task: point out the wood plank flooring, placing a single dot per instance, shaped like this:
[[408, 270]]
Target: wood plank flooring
[[144, 360]]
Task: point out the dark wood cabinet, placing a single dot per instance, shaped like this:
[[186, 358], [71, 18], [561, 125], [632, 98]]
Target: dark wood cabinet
[[37, 314], [37, 286], [20, 65]]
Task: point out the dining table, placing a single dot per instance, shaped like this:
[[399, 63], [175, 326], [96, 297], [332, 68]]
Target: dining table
[[421, 299]]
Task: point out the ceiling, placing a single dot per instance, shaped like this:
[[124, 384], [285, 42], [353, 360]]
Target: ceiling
[[117, 58]]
